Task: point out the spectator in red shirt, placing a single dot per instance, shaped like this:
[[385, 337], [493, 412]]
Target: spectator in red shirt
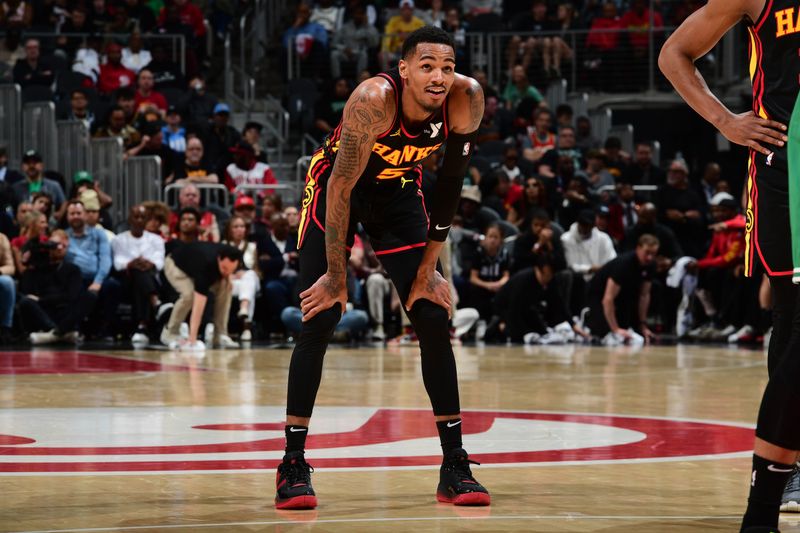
[[189, 14], [245, 170], [637, 21], [146, 95], [112, 74], [189, 196]]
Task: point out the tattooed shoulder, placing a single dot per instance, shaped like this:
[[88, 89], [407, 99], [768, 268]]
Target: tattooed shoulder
[[468, 97]]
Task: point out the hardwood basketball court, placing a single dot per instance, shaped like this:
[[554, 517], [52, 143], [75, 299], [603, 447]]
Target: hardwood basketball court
[[571, 439]]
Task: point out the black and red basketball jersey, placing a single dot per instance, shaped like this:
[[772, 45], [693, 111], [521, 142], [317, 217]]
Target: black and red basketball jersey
[[399, 149], [774, 62]]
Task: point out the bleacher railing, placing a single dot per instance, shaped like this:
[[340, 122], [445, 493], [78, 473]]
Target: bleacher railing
[[106, 168], [39, 130], [74, 147], [11, 123], [210, 194], [142, 180]]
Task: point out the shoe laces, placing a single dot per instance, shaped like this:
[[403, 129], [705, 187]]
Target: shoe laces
[[296, 471], [459, 464]]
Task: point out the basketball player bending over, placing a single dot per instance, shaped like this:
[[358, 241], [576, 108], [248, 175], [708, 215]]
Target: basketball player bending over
[[774, 69], [368, 171]]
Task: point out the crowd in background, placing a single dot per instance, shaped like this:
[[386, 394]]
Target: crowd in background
[[552, 220]]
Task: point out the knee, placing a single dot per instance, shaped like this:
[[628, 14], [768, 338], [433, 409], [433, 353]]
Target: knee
[[429, 318], [324, 323], [7, 284]]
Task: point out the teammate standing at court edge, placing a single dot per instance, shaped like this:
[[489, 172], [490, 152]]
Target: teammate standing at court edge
[[368, 171], [774, 35]]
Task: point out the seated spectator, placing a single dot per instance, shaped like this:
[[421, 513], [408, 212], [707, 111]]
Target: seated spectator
[[190, 15], [647, 223], [91, 202], [539, 138], [16, 14], [198, 105], [171, 23], [218, 139], [145, 18], [245, 207], [10, 53], [496, 122], [43, 203], [586, 248], [134, 56], [709, 182], [7, 175], [246, 282], [280, 265], [157, 219], [721, 267], [52, 298], [192, 169], [539, 237], [7, 289], [472, 216], [33, 168], [125, 97], [309, 40], [453, 25], [20, 214], [118, 127], [565, 146], [188, 229], [270, 205], [196, 270], [152, 143], [642, 171], [489, 271], [511, 170], [113, 75], [328, 16], [601, 181], [395, 32], [603, 49], [328, 110], [623, 211], [87, 58], [245, 170], [353, 324], [565, 24], [575, 195], [617, 159], [34, 70], [523, 48], [518, 88], [145, 94], [531, 303], [79, 110], [189, 196], [584, 138], [100, 17], [353, 42], [293, 219], [251, 133], [482, 78], [76, 23], [534, 196], [637, 21], [619, 294], [681, 209], [166, 72], [499, 193], [138, 259], [173, 133]]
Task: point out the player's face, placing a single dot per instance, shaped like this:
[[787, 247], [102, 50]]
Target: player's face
[[646, 254], [429, 74]]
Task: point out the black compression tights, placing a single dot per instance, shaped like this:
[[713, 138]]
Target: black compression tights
[[779, 415]]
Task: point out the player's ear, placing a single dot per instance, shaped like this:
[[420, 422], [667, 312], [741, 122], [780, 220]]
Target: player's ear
[[402, 66]]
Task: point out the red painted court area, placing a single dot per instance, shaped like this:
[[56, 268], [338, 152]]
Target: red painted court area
[[63, 362]]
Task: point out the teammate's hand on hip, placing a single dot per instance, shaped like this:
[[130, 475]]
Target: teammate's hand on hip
[[324, 294], [754, 132], [430, 285]]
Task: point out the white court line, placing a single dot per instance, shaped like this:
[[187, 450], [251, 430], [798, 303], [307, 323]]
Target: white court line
[[570, 517]]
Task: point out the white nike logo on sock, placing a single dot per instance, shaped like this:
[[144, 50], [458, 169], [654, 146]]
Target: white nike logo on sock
[[773, 468], [453, 424], [297, 430]]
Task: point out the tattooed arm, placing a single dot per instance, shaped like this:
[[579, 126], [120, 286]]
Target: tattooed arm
[[465, 111], [369, 112]]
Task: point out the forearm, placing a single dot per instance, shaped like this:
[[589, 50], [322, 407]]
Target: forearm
[[610, 312], [198, 306], [644, 305], [337, 220], [431, 256]]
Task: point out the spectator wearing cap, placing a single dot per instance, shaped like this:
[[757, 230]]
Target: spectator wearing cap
[[587, 250], [352, 44], [152, 143], [395, 32], [33, 70], [681, 208], [91, 202], [245, 170], [134, 56], [174, 134], [252, 134], [113, 75], [79, 109], [472, 216], [218, 139], [138, 259], [145, 94], [192, 168], [189, 196], [33, 168], [328, 110]]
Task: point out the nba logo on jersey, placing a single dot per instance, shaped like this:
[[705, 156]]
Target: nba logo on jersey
[[465, 151]]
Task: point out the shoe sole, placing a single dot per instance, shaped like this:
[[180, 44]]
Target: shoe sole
[[298, 502], [790, 507], [468, 498]]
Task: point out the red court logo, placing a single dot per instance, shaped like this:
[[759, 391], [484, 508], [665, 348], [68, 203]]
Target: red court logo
[[236, 438]]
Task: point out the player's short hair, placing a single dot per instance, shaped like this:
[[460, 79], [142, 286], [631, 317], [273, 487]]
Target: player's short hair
[[426, 34], [647, 240]]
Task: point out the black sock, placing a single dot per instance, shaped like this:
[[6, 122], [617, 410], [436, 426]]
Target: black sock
[[449, 434], [295, 438], [767, 482]]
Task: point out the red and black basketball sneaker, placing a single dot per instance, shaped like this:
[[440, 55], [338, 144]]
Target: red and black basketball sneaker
[[456, 484], [293, 482]]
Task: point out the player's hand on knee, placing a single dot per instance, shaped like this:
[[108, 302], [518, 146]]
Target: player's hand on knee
[[430, 286], [323, 295], [755, 132]]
